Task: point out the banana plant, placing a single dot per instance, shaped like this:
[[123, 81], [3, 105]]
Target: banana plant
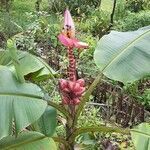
[[28, 121], [121, 56], [23, 104], [31, 66], [140, 134]]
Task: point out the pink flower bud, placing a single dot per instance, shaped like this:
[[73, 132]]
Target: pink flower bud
[[67, 37], [68, 22]]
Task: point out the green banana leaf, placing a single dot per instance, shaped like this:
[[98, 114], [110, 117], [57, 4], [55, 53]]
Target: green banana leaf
[[4, 57], [28, 141], [30, 65], [124, 56], [20, 103], [47, 122], [141, 136]]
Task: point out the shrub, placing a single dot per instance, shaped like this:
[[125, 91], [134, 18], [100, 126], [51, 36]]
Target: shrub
[[134, 21], [77, 7]]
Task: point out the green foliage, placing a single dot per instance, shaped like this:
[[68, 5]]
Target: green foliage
[[137, 5], [134, 21], [6, 4], [41, 36], [96, 23], [47, 122], [107, 5], [15, 100], [13, 55], [23, 104], [90, 116], [126, 57], [140, 136], [145, 98], [30, 66], [120, 56], [28, 141], [87, 141], [120, 11], [8, 26], [77, 7]]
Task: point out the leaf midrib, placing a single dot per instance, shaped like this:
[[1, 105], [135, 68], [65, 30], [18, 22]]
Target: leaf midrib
[[42, 61], [125, 48], [140, 132], [20, 94], [24, 143]]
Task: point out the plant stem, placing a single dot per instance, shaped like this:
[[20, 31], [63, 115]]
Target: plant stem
[[69, 132], [112, 16], [61, 140], [86, 96], [59, 108], [15, 60]]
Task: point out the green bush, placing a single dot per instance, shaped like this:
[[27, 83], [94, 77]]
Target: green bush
[[76, 7], [96, 23], [134, 21], [137, 5]]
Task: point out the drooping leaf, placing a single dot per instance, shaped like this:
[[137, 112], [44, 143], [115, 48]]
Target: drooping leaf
[[28, 141], [124, 56], [4, 57], [13, 54], [47, 122], [32, 63], [19, 102], [141, 136], [29, 64]]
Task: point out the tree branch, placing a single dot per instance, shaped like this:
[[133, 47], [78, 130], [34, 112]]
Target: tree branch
[[112, 16]]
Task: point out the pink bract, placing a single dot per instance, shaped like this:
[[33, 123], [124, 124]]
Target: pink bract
[[68, 33], [71, 42], [68, 21]]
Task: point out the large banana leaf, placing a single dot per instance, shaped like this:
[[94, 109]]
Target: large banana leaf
[[4, 57], [28, 141], [29, 64], [141, 136], [20, 103], [47, 122], [124, 56]]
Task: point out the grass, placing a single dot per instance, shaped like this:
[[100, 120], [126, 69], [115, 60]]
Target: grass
[[22, 11], [22, 15]]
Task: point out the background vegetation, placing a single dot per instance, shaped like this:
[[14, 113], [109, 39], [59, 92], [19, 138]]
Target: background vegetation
[[36, 25]]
